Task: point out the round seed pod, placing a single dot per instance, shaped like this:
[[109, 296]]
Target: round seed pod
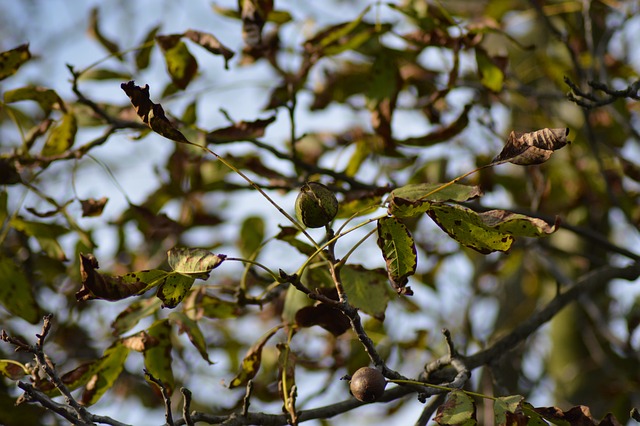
[[316, 205], [367, 384]]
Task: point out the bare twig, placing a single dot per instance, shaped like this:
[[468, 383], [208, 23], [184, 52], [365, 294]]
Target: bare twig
[[186, 415], [165, 396], [246, 401]]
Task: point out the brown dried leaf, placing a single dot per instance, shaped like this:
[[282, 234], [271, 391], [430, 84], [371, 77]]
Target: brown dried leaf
[[242, 130], [254, 14], [211, 43], [99, 286], [93, 207], [151, 114], [326, 316], [531, 148], [140, 342]]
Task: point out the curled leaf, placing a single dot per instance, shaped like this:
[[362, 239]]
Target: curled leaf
[[151, 114], [242, 130], [211, 43], [399, 252], [93, 207], [252, 360], [11, 60], [532, 148], [181, 64]]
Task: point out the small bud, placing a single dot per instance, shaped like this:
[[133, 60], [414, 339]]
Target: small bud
[[316, 205]]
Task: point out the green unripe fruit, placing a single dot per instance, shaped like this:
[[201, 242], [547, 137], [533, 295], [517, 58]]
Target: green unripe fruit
[[316, 205], [367, 384]]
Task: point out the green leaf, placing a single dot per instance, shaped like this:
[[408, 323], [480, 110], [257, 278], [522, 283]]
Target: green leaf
[[105, 373], [458, 409], [16, 294], [189, 326], [158, 360], [251, 236], [46, 234], [504, 405], [491, 76], [174, 288], [252, 360], [366, 289], [194, 261], [104, 74], [414, 199], [11, 60], [47, 99], [136, 311], [62, 136], [535, 419], [143, 55], [190, 116], [468, 228], [294, 300], [399, 252], [12, 369], [516, 224], [181, 65], [95, 32]]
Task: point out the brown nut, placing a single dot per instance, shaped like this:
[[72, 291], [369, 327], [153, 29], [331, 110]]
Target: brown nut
[[316, 205], [367, 384]]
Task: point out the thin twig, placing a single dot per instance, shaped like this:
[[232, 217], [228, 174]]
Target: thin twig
[[186, 407], [165, 396]]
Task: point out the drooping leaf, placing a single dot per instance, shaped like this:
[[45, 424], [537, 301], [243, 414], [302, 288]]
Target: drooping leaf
[[174, 288], [92, 207], [251, 236], [189, 326], [287, 380], [254, 15], [100, 74], [516, 224], [11, 60], [399, 252], [144, 54], [140, 342], [136, 311], [95, 32], [13, 370], [181, 64], [151, 114], [324, 315], [46, 234], [252, 360], [47, 99], [62, 136], [240, 131], [211, 43], [467, 227], [158, 359], [366, 289], [100, 286], [16, 292], [105, 374], [491, 76], [458, 409], [414, 199], [194, 261], [199, 304], [443, 133], [533, 147]]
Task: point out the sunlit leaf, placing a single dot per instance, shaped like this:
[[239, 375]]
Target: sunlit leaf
[[189, 326], [467, 227], [252, 360], [505, 405], [11, 60], [211, 43], [105, 374], [532, 148], [62, 136], [458, 409], [139, 342], [158, 359], [399, 252], [151, 114], [181, 64], [516, 224], [47, 99], [414, 199], [16, 293], [194, 261]]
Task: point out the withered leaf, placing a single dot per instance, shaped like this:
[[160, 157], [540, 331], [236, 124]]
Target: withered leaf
[[531, 148], [93, 207], [239, 131], [324, 315], [99, 286], [151, 114], [254, 14], [211, 43]]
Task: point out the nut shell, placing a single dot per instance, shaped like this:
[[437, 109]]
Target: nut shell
[[316, 205], [367, 384]]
